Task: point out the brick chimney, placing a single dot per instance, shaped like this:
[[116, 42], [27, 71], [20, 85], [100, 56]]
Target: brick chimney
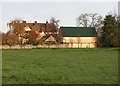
[[35, 21], [24, 21], [46, 26]]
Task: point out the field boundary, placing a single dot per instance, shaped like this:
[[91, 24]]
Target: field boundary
[[31, 46], [39, 46]]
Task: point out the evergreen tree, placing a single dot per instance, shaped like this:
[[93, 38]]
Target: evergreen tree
[[110, 32], [119, 31]]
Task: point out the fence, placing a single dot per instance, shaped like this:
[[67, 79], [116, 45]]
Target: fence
[[67, 45], [31, 46]]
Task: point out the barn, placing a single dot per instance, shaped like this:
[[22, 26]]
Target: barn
[[79, 37]]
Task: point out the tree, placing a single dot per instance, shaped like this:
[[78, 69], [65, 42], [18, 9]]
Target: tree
[[110, 32], [10, 39], [90, 20], [55, 22], [32, 38], [4, 39], [17, 27], [71, 42], [118, 21], [1, 38]]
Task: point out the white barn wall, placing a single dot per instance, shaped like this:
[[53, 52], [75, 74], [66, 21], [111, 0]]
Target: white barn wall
[[80, 42]]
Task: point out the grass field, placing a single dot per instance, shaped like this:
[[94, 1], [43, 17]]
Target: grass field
[[60, 66]]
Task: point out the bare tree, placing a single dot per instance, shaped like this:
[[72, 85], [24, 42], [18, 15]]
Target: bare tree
[[55, 21], [90, 20], [82, 20]]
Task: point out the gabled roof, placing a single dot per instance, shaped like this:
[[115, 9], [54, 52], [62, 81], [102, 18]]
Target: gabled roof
[[46, 27], [36, 27], [78, 31]]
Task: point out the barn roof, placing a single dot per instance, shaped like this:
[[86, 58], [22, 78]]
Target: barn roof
[[78, 31]]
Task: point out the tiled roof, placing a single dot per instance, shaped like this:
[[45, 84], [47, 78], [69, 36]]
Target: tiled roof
[[46, 27]]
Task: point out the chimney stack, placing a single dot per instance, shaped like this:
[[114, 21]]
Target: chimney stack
[[24, 21], [46, 25], [35, 21]]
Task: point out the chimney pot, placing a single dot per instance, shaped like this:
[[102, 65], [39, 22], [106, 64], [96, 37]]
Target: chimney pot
[[24, 21], [46, 21]]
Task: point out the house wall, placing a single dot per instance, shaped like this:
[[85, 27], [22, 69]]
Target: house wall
[[80, 42]]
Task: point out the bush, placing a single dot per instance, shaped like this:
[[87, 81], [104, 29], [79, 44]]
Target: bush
[[33, 42], [49, 42], [10, 42]]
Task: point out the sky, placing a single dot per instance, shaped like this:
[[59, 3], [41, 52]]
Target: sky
[[119, 8], [65, 10]]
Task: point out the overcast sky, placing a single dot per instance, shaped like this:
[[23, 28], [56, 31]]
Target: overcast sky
[[40, 11]]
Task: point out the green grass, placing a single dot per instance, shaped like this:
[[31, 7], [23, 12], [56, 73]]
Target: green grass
[[60, 66]]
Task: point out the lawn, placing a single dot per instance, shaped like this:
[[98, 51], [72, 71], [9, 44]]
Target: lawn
[[60, 66]]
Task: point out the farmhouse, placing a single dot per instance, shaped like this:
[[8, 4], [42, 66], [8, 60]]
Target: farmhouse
[[79, 37], [46, 31], [38, 27]]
